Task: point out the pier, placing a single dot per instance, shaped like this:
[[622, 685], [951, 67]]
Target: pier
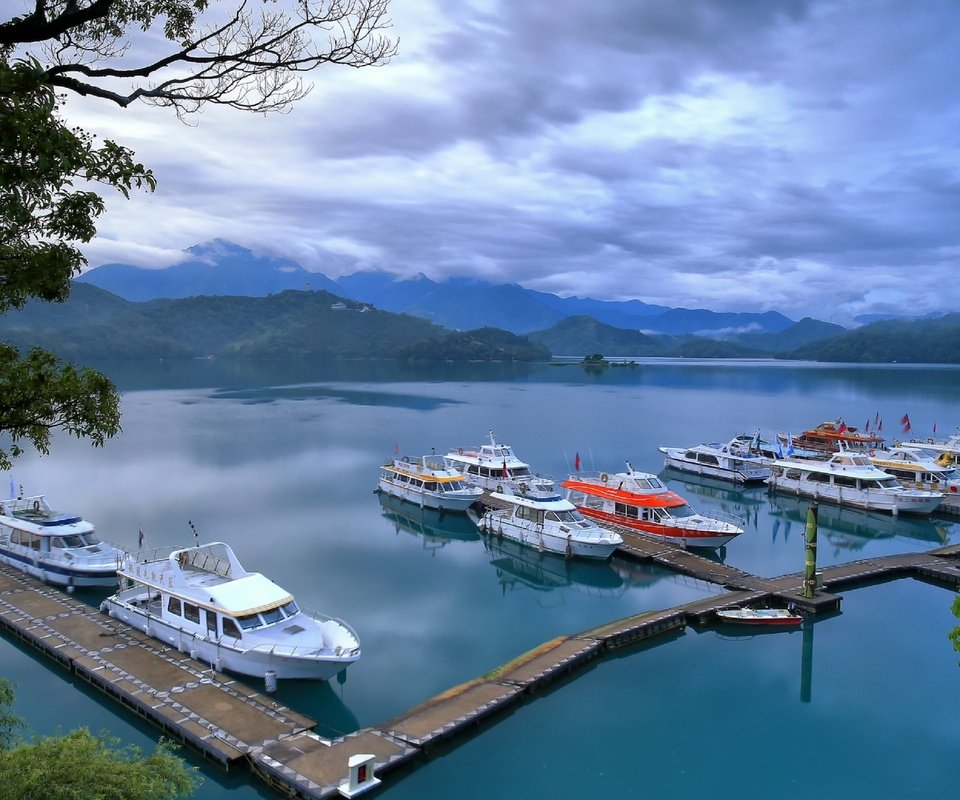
[[233, 725]]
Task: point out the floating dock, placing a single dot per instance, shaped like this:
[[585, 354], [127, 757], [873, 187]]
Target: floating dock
[[231, 724]]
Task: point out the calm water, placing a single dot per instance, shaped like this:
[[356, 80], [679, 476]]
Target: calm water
[[282, 464]]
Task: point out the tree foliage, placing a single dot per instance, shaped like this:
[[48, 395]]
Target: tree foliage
[[183, 54]]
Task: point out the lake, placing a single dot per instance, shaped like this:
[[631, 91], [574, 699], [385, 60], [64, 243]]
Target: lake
[[281, 462]]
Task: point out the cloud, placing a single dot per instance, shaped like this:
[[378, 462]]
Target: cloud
[[790, 156]]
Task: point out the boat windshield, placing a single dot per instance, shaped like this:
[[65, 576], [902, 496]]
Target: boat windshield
[[452, 486], [75, 540], [269, 617], [648, 484], [566, 516], [680, 512]]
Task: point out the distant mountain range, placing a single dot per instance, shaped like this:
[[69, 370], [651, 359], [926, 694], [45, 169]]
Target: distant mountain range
[[95, 324], [225, 268]]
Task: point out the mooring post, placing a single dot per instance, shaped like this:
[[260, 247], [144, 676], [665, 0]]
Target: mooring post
[[810, 568]]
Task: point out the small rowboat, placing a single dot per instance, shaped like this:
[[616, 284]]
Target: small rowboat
[[781, 617]]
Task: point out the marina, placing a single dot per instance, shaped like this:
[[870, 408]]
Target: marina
[[229, 723], [444, 611]]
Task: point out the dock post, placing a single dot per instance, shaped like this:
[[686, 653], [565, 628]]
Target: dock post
[[810, 546]]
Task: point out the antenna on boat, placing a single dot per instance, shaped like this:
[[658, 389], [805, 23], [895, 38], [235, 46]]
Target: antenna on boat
[[196, 536]]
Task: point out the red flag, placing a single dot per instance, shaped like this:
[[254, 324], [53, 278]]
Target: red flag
[[907, 427], [905, 419], [504, 472], [842, 428], [576, 463], [866, 428]]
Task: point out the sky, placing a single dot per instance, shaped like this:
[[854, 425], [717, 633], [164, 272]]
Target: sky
[[735, 155]]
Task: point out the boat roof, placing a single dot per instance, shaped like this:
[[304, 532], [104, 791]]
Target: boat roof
[[209, 575], [547, 503], [622, 487], [34, 515], [430, 467], [843, 462], [494, 453]]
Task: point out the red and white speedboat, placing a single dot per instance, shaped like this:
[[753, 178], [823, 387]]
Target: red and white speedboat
[[642, 502]]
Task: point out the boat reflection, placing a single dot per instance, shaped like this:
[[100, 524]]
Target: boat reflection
[[850, 528], [745, 502], [322, 702], [518, 565], [436, 528]]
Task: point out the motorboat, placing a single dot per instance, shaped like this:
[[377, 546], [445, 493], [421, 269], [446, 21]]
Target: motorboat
[[550, 526], [201, 601], [642, 502], [946, 451], [57, 547], [851, 479], [830, 437], [428, 482], [496, 468], [774, 617], [738, 460], [921, 469]]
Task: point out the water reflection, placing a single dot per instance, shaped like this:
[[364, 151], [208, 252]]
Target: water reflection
[[519, 566], [850, 529], [436, 528], [743, 502]]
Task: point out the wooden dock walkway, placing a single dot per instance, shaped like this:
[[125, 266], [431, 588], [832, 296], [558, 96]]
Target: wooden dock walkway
[[230, 723]]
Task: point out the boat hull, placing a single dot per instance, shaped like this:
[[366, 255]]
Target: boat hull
[[546, 541], [750, 473], [444, 501], [58, 573], [704, 537], [254, 662], [886, 502], [765, 617]]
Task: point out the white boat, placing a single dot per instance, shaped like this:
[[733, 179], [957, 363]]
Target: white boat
[[775, 617], [550, 526], [738, 460], [57, 547], [851, 479], [643, 503], [921, 469], [428, 482], [201, 601], [496, 468], [947, 450]]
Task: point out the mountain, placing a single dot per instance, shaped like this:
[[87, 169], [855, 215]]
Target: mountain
[[581, 336], [93, 324], [923, 341], [224, 268], [216, 268], [804, 332]]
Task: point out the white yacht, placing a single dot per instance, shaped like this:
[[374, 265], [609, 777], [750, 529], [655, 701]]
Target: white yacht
[[921, 469], [203, 602], [55, 546], [496, 468], [738, 460], [429, 482], [851, 479], [946, 451], [550, 526]]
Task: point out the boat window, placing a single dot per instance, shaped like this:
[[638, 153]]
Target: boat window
[[691, 455], [889, 483], [485, 471], [173, 606], [417, 483], [290, 609], [56, 541], [455, 486], [594, 502], [572, 515], [520, 472], [473, 469], [679, 512], [706, 458], [230, 627], [402, 478], [250, 621], [430, 486], [818, 477], [844, 480], [272, 615], [73, 540], [191, 612], [576, 498], [211, 621], [624, 510], [91, 538]]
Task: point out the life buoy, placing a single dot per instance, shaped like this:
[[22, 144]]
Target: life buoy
[[460, 450], [523, 488], [871, 453], [929, 441], [913, 440], [499, 489], [406, 459], [36, 505], [604, 477]]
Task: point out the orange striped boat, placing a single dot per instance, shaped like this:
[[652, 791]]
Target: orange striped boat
[[642, 502]]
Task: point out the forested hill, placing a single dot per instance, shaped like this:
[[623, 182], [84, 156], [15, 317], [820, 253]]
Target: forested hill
[[94, 324]]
